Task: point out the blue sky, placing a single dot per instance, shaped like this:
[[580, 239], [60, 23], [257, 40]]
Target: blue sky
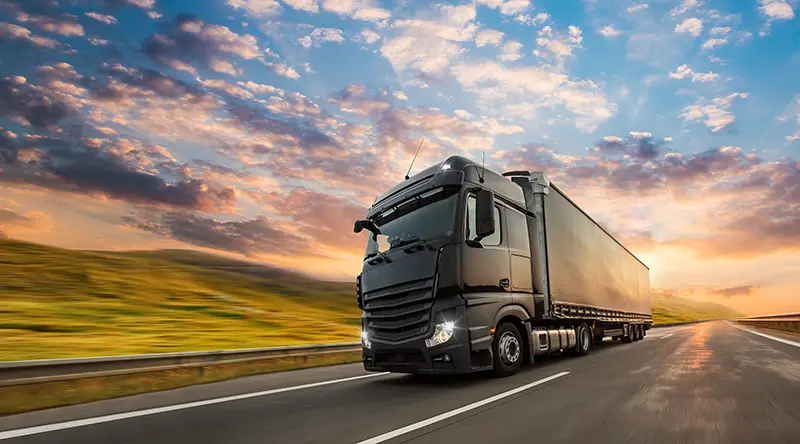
[[262, 128]]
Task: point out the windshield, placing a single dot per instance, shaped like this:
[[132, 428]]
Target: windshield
[[425, 217]]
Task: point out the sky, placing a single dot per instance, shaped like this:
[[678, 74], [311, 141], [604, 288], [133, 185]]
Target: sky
[[262, 129]]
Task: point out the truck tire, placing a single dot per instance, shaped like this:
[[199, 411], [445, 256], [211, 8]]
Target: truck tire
[[583, 339], [639, 333], [627, 339], [508, 349]]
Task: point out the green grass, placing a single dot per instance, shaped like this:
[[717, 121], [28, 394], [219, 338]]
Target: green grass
[[69, 303], [667, 309], [60, 303]]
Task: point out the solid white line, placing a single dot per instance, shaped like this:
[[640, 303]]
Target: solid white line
[[424, 423], [108, 418], [774, 338], [665, 337]]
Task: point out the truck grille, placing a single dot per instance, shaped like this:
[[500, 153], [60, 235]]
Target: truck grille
[[399, 312]]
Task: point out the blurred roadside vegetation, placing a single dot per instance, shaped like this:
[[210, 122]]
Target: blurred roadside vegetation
[[667, 309], [71, 303], [58, 303]]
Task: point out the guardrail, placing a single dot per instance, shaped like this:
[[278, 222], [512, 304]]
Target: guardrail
[[16, 373], [788, 322]]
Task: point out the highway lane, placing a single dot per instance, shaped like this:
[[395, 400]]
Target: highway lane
[[701, 383]]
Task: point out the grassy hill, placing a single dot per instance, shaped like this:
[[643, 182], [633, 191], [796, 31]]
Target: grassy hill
[[668, 309], [67, 303]]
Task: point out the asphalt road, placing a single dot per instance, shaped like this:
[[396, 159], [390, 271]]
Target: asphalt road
[[695, 384]]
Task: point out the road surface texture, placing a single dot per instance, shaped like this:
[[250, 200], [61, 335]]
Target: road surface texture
[[704, 383]]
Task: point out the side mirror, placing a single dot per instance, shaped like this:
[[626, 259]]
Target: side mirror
[[484, 213], [358, 226]]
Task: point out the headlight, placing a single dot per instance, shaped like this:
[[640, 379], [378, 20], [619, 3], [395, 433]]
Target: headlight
[[365, 339], [441, 334]]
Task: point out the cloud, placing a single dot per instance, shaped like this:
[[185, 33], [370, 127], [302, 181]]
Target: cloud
[[639, 145], [188, 41], [727, 293], [557, 46], [523, 90], [104, 18], [259, 88], [713, 43], [322, 35], [429, 46], [507, 7], [10, 31], [323, 218], [533, 20], [639, 7], [230, 88], [122, 170], [283, 70], [511, 51], [693, 26], [98, 42], [369, 36], [489, 37], [309, 6], [13, 221], [22, 100], [64, 24], [685, 6], [366, 10], [249, 237], [721, 30], [776, 9], [714, 113], [684, 71], [609, 31], [792, 111], [257, 8]]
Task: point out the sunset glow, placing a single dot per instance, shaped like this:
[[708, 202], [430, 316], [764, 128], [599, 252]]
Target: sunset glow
[[262, 129]]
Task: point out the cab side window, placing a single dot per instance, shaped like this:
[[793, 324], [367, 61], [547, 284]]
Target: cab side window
[[495, 238]]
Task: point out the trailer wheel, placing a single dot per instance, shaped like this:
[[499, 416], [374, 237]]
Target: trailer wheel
[[639, 333], [628, 338], [583, 336], [507, 349]]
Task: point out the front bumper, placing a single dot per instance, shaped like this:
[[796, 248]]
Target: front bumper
[[413, 356]]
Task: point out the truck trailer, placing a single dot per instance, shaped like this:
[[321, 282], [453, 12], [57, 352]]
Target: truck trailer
[[467, 270]]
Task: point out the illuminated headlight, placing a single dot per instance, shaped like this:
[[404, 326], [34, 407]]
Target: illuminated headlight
[[365, 339], [441, 334]]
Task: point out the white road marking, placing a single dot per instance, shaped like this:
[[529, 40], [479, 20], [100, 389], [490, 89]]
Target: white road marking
[[108, 418], [665, 337], [424, 423], [774, 338]]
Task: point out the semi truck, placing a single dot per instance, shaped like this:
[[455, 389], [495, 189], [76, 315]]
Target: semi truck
[[467, 270]]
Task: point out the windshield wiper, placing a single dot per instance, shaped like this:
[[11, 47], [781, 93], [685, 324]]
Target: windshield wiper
[[372, 254]]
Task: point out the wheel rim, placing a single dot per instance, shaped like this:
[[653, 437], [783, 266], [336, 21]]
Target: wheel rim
[[585, 339], [509, 348]]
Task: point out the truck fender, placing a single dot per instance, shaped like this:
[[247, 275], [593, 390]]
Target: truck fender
[[522, 315]]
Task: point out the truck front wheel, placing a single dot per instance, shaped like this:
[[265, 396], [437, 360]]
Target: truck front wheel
[[507, 350]]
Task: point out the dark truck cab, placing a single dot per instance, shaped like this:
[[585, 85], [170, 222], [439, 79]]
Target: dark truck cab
[[459, 273]]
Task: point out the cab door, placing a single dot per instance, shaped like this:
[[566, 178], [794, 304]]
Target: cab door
[[486, 267]]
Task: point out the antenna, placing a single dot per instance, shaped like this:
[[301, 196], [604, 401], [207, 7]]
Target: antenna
[[483, 167], [415, 158]]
